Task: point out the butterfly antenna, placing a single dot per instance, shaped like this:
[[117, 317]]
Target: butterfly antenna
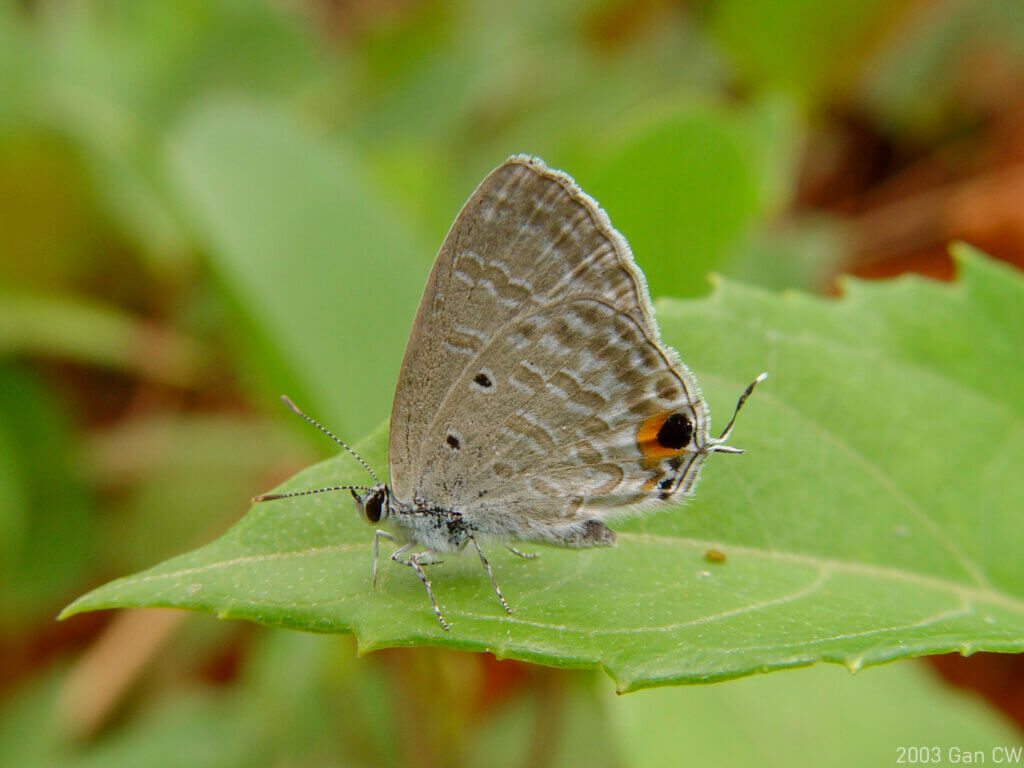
[[272, 496], [322, 428], [717, 443]]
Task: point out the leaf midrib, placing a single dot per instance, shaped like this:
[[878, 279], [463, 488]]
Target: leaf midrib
[[967, 593]]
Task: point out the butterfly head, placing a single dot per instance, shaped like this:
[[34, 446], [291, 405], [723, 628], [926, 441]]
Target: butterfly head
[[375, 506]]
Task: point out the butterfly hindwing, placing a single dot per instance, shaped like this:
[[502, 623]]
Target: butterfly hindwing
[[567, 428]]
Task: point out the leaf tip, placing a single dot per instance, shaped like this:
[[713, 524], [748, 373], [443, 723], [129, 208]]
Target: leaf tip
[[78, 605], [854, 663]]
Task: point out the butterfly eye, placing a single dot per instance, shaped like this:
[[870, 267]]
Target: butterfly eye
[[374, 507]]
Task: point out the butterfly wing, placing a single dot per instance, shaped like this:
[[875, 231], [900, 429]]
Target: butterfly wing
[[586, 416], [534, 294]]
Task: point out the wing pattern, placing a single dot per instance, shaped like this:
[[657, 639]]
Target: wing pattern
[[534, 365]]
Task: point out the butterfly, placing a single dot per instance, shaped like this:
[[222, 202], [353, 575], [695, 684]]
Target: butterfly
[[536, 401]]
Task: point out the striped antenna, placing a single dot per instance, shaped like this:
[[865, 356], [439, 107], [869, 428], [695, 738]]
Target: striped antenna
[[272, 496], [322, 428]]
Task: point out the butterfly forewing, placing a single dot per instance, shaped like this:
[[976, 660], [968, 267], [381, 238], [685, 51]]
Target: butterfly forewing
[[526, 236], [535, 336]]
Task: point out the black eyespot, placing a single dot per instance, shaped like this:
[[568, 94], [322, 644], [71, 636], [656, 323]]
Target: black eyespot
[[373, 507], [453, 442], [483, 380], [665, 484], [676, 432]]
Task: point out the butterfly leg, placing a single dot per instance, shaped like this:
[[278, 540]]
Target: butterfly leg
[[524, 555], [490, 573], [377, 536], [413, 561]]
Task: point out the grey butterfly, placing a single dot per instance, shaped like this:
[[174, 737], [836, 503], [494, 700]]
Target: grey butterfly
[[536, 401]]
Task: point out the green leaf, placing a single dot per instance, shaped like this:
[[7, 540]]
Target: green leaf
[[876, 514], [15, 510], [685, 185], [46, 531], [316, 261], [843, 721], [811, 49], [19, 74], [116, 76]]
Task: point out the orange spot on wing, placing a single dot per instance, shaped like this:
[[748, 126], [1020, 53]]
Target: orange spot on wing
[[647, 438]]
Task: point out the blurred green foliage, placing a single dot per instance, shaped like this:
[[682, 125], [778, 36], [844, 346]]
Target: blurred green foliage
[[204, 204]]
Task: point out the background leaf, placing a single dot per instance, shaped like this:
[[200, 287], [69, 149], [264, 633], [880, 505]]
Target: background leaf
[[267, 195], [685, 184], [46, 530], [814, 716], [807, 48], [875, 516]]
